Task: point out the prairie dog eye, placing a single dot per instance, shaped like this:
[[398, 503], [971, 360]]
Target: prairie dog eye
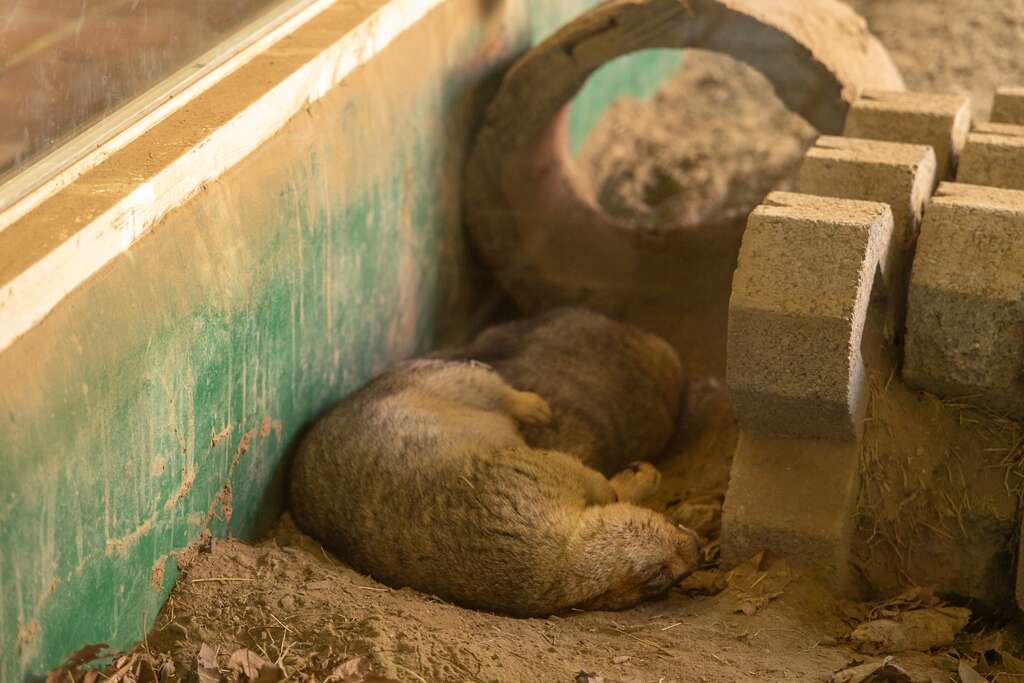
[[658, 581], [658, 577]]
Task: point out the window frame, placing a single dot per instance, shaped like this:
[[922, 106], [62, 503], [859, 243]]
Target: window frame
[[47, 251], [67, 161]]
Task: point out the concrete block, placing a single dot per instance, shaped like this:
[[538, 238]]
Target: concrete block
[[965, 319], [893, 173], [1008, 105], [799, 300], [796, 498], [940, 121], [993, 155]]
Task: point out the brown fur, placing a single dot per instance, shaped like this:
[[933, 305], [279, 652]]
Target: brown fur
[[614, 389], [422, 479]]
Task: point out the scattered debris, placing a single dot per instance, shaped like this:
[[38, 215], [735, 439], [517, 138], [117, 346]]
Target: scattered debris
[[703, 582], [354, 670], [853, 613], [968, 674], [206, 665], [917, 630], [991, 657], [586, 677], [201, 546], [712, 552], [914, 598], [251, 668], [757, 582], [70, 671], [703, 515], [885, 671], [139, 666]]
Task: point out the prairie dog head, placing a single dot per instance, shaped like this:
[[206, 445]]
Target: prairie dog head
[[643, 555]]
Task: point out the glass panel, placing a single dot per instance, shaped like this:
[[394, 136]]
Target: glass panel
[[64, 64]]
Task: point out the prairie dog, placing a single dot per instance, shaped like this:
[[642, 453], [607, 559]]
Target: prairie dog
[[422, 479], [614, 389]]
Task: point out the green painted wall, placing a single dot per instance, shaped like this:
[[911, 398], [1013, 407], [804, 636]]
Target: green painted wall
[[637, 75], [161, 397]]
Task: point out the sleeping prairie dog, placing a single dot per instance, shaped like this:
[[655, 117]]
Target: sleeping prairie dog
[[615, 390], [423, 479]]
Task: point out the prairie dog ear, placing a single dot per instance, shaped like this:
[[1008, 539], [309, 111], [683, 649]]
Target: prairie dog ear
[[637, 554]]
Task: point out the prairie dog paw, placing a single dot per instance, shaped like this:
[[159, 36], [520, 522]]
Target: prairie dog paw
[[529, 408], [637, 482]]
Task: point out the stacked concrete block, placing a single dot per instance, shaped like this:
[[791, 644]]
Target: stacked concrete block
[[798, 498], [939, 121], [797, 312], [799, 303], [993, 155], [799, 309], [1008, 105], [965, 321], [893, 173]]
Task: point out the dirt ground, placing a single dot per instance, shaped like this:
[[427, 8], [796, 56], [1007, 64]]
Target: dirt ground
[[708, 147]]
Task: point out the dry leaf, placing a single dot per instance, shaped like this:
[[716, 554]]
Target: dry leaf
[[68, 671], [1009, 663], [703, 518], [253, 668], [911, 599], [990, 643], [993, 655], [968, 674], [886, 671], [206, 665], [166, 669], [122, 668], [918, 630], [703, 582]]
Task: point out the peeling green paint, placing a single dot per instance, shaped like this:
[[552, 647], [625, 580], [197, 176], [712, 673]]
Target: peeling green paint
[[187, 367], [637, 76]]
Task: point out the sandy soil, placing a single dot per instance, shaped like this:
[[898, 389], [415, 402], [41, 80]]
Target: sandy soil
[[970, 46], [287, 599], [707, 148]]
